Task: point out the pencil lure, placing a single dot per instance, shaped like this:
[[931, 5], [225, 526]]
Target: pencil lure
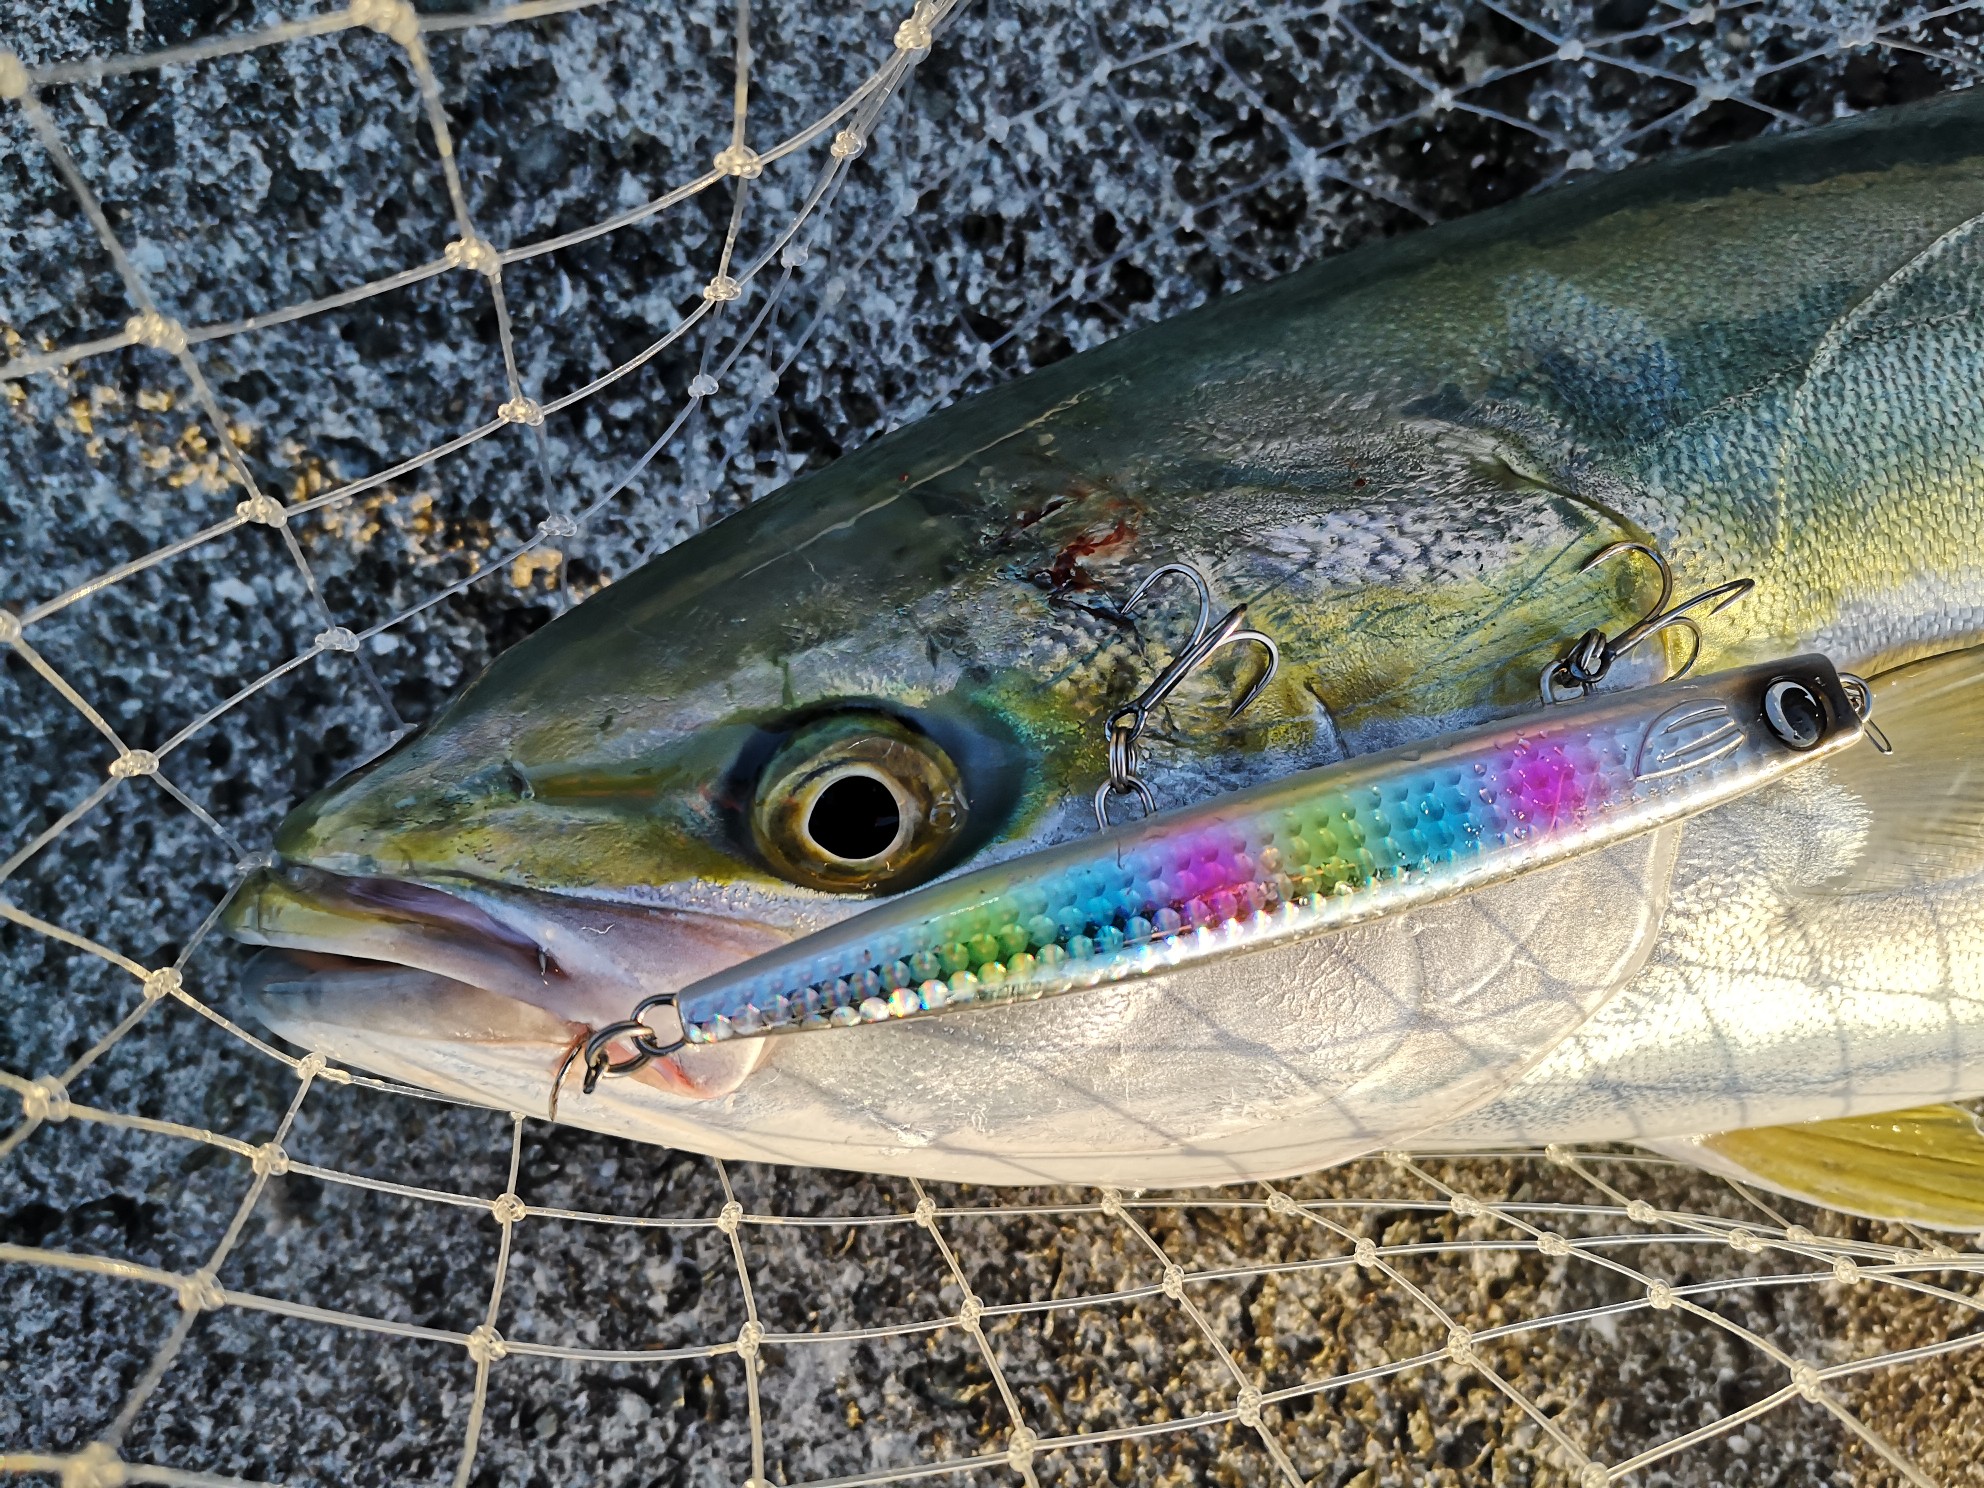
[[1302, 855]]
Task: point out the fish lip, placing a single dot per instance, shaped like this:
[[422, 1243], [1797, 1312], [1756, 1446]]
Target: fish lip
[[587, 961], [391, 900]]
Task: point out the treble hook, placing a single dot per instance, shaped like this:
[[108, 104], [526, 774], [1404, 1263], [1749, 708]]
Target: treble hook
[[1125, 726], [1584, 666]]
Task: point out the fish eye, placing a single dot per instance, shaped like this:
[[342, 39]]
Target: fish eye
[[1794, 713], [857, 803]]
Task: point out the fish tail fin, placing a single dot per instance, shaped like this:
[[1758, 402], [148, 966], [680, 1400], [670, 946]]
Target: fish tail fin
[[1922, 1166], [1925, 801]]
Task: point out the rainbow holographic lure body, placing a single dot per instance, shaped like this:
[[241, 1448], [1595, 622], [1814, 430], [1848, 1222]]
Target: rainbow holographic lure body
[[1297, 857]]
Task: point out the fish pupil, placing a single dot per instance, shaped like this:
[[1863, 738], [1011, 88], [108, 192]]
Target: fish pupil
[[855, 818]]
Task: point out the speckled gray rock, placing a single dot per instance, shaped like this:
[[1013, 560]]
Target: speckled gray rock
[[1048, 177]]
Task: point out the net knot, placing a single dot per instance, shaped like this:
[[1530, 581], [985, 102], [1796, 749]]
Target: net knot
[[508, 1208], [1460, 1345], [722, 289], [1659, 1296], [160, 332], [1247, 1406], [522, 410], [163, 982], [1553, 1244], [749, 1337], [46, 1099], [270, 1160], [702, 385], [14, 82], [926, 1211], [1281, 1204], [1594, 1475], [559, 524], [1639, 1211], [729, 1217], [96, 1466], [1845, 1272], [310, 1066], [970, 1311], [1366, 1251], [262, 508], [200, 1292], [1112, 1203], [1798, 1235], [1019, 1448], [1174, 1281], [1744, 1242], [1805, 1380], [133, 762], [1559, 1154], [337, 638], [476, 254], [485, 1345], [739, 160], [792, 255], [1466, 1205], [847, 144], [913, 35], [10, 627], [392, 18]]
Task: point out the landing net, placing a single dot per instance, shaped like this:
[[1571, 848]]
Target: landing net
[[346, 346]]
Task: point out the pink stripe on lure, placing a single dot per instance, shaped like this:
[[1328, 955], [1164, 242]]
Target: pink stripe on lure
[[1296, 857]]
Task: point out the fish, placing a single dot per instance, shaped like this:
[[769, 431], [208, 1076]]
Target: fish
[[1761, 363]]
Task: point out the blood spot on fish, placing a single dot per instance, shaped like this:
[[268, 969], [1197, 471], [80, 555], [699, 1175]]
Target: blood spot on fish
[[1066, 573]]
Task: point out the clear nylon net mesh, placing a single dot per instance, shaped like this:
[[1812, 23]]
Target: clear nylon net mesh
[[347, 346]]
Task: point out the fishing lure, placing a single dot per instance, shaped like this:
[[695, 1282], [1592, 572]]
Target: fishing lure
[[1309, 853]]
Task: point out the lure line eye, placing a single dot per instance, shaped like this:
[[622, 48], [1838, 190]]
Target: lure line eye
[[857, 803]]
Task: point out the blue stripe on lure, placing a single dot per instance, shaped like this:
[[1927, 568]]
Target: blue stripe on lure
[[1296, 857]]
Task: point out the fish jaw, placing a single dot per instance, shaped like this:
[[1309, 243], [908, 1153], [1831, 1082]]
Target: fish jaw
[[393, 973]]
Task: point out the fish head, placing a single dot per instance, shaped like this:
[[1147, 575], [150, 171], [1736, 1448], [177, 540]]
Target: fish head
[[897, 668]]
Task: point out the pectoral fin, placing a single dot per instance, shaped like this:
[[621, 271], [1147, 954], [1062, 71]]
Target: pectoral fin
[[1925, 802], [1924, 1165]]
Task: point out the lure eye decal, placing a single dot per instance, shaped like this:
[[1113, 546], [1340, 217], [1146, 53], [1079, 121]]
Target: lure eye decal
[[856, 804], [1794, 713]]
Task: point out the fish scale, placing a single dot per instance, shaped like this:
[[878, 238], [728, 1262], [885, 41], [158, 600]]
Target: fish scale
[[1304, 855]]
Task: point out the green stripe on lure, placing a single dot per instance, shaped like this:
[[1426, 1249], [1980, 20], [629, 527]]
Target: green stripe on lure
[[1313, 852]]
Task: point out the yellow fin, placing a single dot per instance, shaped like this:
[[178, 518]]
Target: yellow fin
[[1924, 1165], [1925, 801]]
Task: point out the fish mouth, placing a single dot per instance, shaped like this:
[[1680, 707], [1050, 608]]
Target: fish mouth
[[358, 965]]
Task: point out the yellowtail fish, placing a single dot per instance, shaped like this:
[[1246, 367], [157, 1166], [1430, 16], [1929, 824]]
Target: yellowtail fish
[[1763, 363]]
